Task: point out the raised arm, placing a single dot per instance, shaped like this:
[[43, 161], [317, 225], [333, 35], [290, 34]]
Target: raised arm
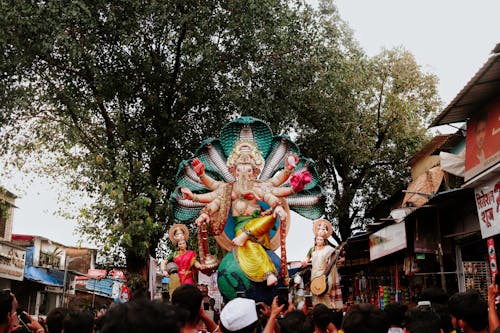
[[282, 176], [209, 182], [204, 197]]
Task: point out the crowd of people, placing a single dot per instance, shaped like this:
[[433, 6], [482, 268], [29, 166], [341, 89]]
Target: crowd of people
[[465, 312]]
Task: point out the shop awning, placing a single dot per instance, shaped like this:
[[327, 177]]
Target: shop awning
[[43, 276]]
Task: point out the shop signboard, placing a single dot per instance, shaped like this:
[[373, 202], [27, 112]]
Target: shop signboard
[[54, 289], [482, 143], [387, 240], [12, 261], [487, 198]]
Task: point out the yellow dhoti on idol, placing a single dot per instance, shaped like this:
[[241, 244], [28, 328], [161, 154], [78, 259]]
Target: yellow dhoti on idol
[[252, 256]]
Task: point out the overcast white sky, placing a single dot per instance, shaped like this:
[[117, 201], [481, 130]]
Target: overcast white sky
[[450, 38]]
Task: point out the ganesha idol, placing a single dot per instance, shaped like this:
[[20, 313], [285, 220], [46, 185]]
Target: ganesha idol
[[241, 188]]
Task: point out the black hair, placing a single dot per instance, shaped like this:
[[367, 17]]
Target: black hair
[[422, 320], [470, 307], [6, 300], [78, 321], [188, 297], [365, 318], [55, 319], [434, 295], [144, 316], [395, 313], [296, 322], [321, 316]]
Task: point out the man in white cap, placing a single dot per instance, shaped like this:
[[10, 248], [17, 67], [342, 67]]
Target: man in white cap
[[239, 315]]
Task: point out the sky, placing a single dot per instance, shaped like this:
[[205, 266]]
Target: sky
[[450, 38]]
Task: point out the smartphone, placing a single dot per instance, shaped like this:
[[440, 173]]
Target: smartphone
[[206, 306], [497, 279], [24, 320], [240, 294], [283, 296], [309, 302]]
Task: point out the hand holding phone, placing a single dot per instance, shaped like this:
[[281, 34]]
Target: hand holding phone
[[308, 302], [24, 319], [283, 296]]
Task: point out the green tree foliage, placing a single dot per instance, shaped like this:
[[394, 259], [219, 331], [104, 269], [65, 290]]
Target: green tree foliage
[[114, 94], [369, 117]]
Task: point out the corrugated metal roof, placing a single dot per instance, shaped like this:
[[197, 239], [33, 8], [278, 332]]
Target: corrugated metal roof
[[483, 86]]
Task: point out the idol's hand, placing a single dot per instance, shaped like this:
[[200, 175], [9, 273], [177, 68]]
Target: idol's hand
[[203, 218], [198, 166], [291, 162], [279, 211], [186, 193]]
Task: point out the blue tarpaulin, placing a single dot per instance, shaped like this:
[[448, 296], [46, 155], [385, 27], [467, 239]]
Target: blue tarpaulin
[[103, 287], [43, 276]]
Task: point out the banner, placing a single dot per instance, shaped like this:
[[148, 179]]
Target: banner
[[387, 241], [482, 143], [487, 198]]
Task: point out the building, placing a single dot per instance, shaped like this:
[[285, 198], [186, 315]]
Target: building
[[442, 230], [12, 257], [51, 268]]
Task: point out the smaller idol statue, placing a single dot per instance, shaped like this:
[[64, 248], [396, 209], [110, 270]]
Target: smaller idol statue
[[325, 280], [184, 259]]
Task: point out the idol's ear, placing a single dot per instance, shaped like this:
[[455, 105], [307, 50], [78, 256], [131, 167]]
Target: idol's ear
[[256, 172], [232, 170]]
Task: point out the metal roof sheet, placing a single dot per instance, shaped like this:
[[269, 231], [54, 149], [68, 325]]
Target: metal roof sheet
[[482, 88]]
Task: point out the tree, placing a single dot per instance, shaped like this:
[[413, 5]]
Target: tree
[[113, 94], [372, 118]]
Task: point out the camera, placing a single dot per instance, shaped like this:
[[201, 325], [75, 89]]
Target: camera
[[283, 296], [240, 293]]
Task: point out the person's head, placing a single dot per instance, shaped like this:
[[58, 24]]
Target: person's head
[[319, 241], [8, 309], [395, 314], [321, 316], [480, 131], [422, 320], [78, 321], [337, 316], [178, 232], [144, 316], [203, 288], [468, 311], [296, 322], [182, 245], [239, 315], [245, 160], [322, 228], [434, 295], [365, 318], [55, 319], [189, 297]]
